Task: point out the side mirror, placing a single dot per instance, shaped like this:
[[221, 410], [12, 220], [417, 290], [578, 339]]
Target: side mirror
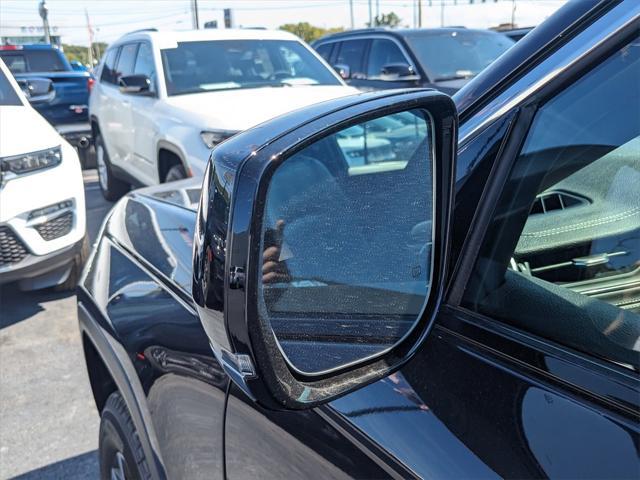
[[343, 70], [37, 89], [398, 70], [321, 241], [135, 84]]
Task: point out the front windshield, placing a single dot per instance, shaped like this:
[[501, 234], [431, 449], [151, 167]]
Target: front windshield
[[202, 66], [451, 55]]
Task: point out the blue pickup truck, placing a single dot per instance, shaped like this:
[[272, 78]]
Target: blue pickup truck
[[54, 88]]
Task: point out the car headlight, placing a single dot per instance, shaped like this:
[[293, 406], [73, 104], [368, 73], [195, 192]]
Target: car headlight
[[211, 138], [28, 162]]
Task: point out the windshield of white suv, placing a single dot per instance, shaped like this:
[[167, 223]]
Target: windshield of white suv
[[8, 96], [457, 54], [203, 66]]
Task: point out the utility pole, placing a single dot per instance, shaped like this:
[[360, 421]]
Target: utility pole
[[513, 13], [370, 14], [86, 14], [442, 13], [377, 8], [44, 14], [351, 13], [419, 13], [194, 13]]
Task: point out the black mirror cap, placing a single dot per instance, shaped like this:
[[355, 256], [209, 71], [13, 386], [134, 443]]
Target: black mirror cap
[[225, 287], [399, 69], [135, 84]]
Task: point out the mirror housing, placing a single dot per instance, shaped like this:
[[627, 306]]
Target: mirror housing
[[37, 89], [343, 70], [398, 70], [135, 84], [227, 261]]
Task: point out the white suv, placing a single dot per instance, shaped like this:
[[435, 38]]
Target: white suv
[[42, 216], [164, 99]]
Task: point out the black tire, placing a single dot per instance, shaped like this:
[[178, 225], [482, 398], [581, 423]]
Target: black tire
[[112, 187], [119, 446], [76, 269], [175, 173]]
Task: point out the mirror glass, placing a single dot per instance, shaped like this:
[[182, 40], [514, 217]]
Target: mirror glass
[[346, 242]]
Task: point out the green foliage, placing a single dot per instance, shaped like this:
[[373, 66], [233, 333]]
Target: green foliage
[[81, 53], [386, 20], [308, 32]]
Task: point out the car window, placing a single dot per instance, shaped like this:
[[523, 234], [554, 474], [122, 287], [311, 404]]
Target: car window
[[108, 74], [24, 61], [324, 50], [144, 64], [8, 95], [126, 60], [351, 249], [203, 66], [450, 55], [383, 52], [351, 54], [562, 257]]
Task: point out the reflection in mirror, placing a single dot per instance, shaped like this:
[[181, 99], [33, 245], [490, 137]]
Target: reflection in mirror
[[346, 242]]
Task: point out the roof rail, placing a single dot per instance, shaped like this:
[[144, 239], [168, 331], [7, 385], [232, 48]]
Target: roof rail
[[152, 29]]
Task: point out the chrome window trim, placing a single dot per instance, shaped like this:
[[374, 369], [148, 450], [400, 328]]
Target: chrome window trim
[[606, 27]]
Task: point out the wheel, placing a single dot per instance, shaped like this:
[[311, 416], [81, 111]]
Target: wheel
[[78, 262], [120, 450], [112, 188], [177, 172]]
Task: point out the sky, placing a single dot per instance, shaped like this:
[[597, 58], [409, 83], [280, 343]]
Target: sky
[[112, 18]]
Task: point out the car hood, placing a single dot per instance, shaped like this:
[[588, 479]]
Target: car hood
[[23, 130], [241, 109]]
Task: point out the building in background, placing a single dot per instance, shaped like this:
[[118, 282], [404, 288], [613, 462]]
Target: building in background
[[28, 34]]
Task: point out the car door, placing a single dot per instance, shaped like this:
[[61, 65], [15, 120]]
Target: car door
[[528, 373], [144, 153], [107, 107]]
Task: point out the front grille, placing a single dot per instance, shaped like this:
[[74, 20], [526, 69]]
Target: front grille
[[57, 227], [12, 250]]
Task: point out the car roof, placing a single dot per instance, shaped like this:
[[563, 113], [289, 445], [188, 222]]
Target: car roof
[[167, 37], [398, 32]]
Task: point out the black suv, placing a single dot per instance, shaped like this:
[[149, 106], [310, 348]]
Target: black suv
[[441, 58], [391, 284]]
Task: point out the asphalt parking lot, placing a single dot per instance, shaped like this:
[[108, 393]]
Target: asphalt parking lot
[[48, 421]]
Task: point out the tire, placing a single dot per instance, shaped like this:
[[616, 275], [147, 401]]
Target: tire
[[76, 269], [112, 188], [120, 451], [175, 173]]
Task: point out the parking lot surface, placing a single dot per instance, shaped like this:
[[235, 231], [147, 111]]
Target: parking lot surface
[[48, 420]]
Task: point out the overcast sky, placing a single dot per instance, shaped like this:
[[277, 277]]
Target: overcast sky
[[112, 18]]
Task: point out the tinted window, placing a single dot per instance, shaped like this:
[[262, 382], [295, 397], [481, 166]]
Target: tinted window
[[8, 96], [351, 53], [127, 59], [33, 61], [144, 64], [345, 247], [325, 50], [233, 64], [447, 55], [383, 52], [562, 258], [108, 74]]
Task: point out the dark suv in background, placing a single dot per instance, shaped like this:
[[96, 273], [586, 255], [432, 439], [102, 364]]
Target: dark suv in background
[[441, 58]]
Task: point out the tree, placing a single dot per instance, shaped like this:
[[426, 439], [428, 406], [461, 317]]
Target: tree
[[386, 20], [80, 53], [308, 32]]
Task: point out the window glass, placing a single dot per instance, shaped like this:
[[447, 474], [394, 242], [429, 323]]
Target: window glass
[[144, 64], [126, 60], [108, 74], [351, 54], [33, 61], [325, 50], [383, 52], [8, 95], [562, 258], [233, 64], [449, 55], [351, 253]]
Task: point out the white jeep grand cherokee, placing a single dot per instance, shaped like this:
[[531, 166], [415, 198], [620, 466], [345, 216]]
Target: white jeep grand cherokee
[[42, 215], [164, 99]]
